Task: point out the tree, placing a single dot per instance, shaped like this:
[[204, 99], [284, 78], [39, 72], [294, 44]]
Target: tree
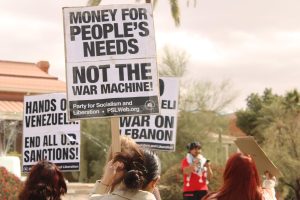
[[200, 106], [247, 119], [95, 141], [175, 10], [97, 135], [174, 62], [275, 120], [207, 96]]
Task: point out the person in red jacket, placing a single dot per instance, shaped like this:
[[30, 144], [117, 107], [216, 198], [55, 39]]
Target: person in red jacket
[[196, 172]]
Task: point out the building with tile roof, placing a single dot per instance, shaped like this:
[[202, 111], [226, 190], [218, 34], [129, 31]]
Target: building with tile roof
[[18, 79]]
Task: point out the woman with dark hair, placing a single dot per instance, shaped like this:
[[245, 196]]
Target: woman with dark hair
[[129, 146], [240, 180], [44, 182], [140, 174], [111, 180]]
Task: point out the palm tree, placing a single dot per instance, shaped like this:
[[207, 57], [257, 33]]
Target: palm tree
[[174, 62], [175, 11]]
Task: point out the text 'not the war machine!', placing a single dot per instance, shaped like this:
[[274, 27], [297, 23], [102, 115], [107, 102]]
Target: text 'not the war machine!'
[[132, 78]]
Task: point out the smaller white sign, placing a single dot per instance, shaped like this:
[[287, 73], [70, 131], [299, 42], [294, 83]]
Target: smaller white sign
[[156, 131], [47, 133]]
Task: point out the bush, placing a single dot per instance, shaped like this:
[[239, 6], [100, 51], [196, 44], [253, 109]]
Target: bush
[[10, 185], [217, 180], [170, 186], [172, 181]]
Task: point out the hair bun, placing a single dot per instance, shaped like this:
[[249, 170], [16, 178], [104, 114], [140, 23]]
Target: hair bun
[[134, 179]]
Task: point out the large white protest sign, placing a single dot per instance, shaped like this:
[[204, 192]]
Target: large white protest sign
[[156, 131], [110, 61], [48, 135]]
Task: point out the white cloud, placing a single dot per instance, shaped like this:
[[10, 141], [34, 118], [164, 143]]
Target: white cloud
[[200, 49]]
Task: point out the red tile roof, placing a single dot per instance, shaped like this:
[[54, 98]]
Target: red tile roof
[[11, 68], [11, 106], [12, 110], [28, 78], [18, 79], [31, 85]]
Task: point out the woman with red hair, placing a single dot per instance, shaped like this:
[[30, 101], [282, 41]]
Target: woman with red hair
[[44, 182], [240, 180]]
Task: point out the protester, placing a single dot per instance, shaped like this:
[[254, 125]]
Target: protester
[[269, 186], [44, 182], [240, 181], [196, 173], [129, 146], [140, 174]]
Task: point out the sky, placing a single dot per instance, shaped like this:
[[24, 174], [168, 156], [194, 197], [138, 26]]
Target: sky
[[253, 44]]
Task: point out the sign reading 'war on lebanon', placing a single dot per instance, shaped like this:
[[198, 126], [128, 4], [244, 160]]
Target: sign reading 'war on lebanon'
[[48, 135], [110, 61], [156, 131]]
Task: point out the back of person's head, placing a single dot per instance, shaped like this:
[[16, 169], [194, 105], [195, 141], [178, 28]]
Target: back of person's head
[[241, 179], [140, 171], [44, 182], [127, 144]]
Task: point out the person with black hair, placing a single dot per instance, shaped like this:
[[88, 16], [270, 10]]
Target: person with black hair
[[140, 172], [196, 172]]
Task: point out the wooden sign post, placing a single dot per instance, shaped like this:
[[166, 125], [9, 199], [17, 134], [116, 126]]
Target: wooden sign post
[[115, 135]]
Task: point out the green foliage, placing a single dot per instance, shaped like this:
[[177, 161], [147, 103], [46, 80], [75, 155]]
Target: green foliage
[[206, 96], [200, 107], [9, 133], [216, 182], [95, 141], [174, 7], [10, 185], [93, 2], [175, 11], [193, 126], [247, 119], [171, 183], [174, 62], [274, 121], [188, 3]]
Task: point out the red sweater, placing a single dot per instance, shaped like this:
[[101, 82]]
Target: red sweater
[[194, 183]]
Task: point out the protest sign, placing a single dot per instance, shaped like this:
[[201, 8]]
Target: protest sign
[[110, 61], [248, 145], [48, 135], [156, 131]]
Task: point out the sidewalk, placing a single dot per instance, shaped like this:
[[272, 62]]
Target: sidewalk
[[78, 191]]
